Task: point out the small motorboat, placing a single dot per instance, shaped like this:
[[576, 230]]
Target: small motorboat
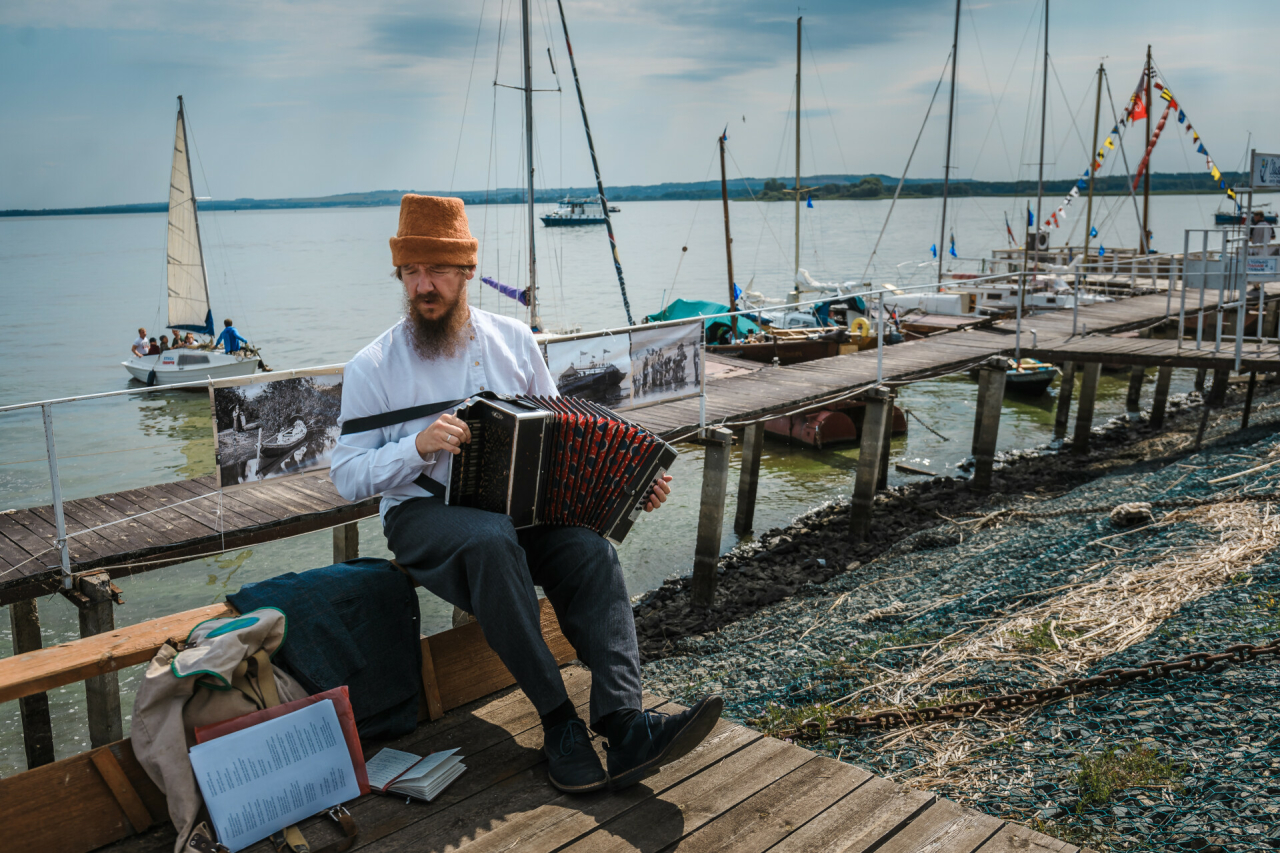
[[575, 211], [183, 365], [286, 439], [1026, 378]]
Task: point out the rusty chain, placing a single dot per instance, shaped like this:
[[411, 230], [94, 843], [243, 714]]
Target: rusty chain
[[1108, 679]]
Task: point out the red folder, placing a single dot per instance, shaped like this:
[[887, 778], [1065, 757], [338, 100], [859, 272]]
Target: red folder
[[341, 704]]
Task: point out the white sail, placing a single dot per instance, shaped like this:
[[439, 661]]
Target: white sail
[[188, 289]]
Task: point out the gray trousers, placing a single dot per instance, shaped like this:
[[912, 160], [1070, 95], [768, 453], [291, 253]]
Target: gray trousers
[[477, 561]]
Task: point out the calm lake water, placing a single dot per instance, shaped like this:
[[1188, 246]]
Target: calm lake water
[[313, 286]]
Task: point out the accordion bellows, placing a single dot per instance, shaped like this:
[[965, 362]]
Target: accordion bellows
[[556, 461]]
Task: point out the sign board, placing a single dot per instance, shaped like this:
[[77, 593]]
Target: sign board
[[624, 371], [1265, 171], [275, 424], [1263, 268]]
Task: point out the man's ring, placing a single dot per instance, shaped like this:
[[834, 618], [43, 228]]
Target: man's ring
[[453, 438]]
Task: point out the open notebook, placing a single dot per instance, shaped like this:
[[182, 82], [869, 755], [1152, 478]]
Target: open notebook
[[394, 772]]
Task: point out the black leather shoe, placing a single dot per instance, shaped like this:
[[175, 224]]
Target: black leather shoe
[[575, 767], [655, 739]]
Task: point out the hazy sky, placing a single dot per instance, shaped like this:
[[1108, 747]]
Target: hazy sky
[[312, 98]]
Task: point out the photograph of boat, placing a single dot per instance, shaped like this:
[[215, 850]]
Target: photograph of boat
[[595, 369], [274, 428]]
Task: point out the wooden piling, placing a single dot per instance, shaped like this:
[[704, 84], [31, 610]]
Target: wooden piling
[[1066, 387], [1084, 412], [749, 478], [886, 450], [346, 542], [37, 728], [1133, 402], [1218, 390], [1200, 374], [876, 425], [986, 427], [715, 485], [1161, 399], [102, 692], [1248, 399]]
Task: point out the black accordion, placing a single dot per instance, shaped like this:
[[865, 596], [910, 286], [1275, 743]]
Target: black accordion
[[556, 461]]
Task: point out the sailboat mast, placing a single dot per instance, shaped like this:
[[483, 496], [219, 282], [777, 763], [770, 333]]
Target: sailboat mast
[[796, 271], [1044, 108], [195, 216], [951, 112], [728, 240], [535, 322], [1146, 173], [1088, 214], [595, 165]]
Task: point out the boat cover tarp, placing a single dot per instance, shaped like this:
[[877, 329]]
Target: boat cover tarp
[[687, 309]]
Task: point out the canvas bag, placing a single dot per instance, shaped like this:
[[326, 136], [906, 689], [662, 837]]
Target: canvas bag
[[223, 671]]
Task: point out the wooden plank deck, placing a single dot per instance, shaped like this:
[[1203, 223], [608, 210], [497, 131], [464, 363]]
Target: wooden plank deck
[[170, 523], [1153, 352], [776, 389], [739, 791], [161, 525]]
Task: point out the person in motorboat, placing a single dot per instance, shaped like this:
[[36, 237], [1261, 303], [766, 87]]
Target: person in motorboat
[[230, 338], [176, 342], [164, 343], [442, 350], [140, 347], [189, 341], [153, 346]]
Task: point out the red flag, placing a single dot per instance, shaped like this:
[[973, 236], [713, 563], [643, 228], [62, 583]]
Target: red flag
[[1139, 109]]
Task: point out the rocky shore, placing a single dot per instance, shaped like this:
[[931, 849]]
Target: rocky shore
[[958, 597]]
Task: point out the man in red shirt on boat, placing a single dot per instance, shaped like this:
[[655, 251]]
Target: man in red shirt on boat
[[443, 350]]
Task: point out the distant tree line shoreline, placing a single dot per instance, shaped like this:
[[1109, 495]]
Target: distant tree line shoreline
[[817, 187]]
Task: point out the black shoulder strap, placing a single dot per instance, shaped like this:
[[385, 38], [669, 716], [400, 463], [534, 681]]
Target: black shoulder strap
[[398, 416]]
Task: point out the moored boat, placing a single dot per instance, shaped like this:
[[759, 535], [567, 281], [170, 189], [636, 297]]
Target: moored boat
[[1027, 378], [286, 439], [575, 211], [188, 290]]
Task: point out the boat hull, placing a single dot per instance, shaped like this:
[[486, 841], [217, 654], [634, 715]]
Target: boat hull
[[786, 352], [557, 221], [168, 371], [839, 423]]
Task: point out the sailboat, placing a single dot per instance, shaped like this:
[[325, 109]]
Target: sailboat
[[188, 288]]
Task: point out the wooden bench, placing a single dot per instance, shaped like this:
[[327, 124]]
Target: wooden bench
[[97, 797]]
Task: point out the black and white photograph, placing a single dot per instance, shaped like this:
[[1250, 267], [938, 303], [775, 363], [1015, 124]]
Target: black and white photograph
[[666, 363], [597, 369], [277, 428]]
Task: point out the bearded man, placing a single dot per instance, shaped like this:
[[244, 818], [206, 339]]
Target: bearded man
[[444, 350]]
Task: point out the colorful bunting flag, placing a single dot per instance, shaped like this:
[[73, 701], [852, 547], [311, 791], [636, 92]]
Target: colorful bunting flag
[[808, 201], [1093, 232], [1109, 143], [1181, 116], [1213, 170], [1201, 150], [1139, 110], [933, 250], [1165, 93]]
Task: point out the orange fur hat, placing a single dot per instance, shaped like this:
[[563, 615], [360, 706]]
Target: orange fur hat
[[433, 230]]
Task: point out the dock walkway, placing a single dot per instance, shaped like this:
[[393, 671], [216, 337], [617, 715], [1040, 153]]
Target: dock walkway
[[773, 389], [156, 526], [739, 791]]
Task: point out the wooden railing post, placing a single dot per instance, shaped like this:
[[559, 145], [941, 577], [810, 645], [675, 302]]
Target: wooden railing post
[[346, 542], [749, 477], [986, 427], [1084, 411], [1133, 401], [102, 692], [1218, 390], [1065, 389], [876, 424], [715, 486], [37, 728], [1161, 399]]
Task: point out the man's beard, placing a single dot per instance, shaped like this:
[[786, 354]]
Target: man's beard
[[438, 338]]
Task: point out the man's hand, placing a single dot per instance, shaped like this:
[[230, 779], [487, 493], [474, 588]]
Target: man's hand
[[661, 489], [449, 432]]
